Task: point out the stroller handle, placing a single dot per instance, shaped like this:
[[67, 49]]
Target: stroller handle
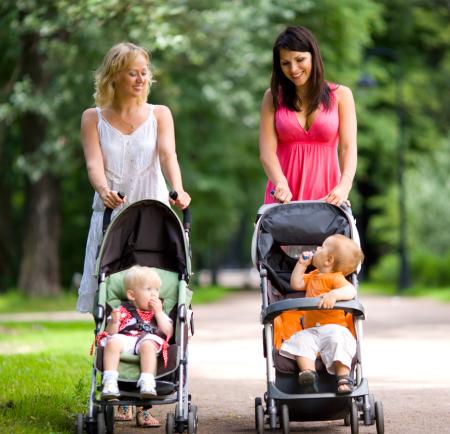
[[186, 213], [107, 214]]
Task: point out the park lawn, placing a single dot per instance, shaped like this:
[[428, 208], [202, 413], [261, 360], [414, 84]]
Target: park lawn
[[16, 302], [45, 373]]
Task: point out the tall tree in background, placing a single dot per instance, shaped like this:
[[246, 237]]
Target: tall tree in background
[[212, 65]]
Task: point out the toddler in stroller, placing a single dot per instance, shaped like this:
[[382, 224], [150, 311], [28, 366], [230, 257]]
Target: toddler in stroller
[[283, 233], [138, 327], [327, 332]]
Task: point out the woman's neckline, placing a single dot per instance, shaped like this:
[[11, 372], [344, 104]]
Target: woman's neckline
[[147, 118]]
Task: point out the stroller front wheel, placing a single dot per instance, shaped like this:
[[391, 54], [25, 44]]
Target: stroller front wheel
[[379, 416], [259, 416], [354, 422], [80, 423], [101, 425], [170, 423], [284, 419]]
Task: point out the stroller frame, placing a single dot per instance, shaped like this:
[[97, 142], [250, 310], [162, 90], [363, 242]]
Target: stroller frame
[[278, 403], [100, 414]]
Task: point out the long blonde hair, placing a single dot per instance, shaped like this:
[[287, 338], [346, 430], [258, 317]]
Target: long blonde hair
[[117, 59]]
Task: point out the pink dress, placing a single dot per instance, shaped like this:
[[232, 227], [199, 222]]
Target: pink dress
[[309, 159]]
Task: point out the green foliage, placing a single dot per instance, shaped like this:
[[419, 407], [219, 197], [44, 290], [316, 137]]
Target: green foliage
[[386, 270], [212, 63], [427, 269]]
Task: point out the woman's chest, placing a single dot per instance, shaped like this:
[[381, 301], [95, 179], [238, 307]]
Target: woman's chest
[[321, 126]]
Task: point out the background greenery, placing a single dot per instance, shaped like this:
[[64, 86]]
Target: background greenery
[[212, 64]]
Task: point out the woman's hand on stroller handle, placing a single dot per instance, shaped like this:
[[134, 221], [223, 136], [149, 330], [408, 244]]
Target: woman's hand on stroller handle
[[111, 199], [281, 193], [180, 199], [174, 198]]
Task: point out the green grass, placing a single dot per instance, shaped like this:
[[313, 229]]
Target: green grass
[[45, 374], [15, 302], [210, 294]]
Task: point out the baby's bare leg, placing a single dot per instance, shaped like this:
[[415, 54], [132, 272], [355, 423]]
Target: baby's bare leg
[[111, 355], [305, 364], [147, 352], [340, 368]]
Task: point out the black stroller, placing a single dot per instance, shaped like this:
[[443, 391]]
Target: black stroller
[[147, 233], [281, 234]]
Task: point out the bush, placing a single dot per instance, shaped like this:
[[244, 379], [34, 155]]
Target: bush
[[426, 269]]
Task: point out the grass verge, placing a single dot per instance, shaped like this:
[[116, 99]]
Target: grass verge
[[45, 374], [16, 302]]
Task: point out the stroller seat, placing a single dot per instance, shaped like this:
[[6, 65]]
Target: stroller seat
[[129, 366]]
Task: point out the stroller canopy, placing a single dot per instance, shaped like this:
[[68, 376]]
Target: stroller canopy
[[147, 233]]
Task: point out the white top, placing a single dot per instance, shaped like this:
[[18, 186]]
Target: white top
[[132, 167]]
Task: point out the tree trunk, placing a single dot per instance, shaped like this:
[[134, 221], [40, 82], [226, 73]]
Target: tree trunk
[[7, 243], [39, 268]]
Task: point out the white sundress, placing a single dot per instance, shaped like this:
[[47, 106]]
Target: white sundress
[[132, 167]]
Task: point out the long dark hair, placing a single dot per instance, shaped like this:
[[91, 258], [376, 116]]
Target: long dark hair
[[299, 39]]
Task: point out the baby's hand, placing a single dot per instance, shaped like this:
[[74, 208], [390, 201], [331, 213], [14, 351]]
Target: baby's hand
[[327, 301], [306, 258], [155, 304]]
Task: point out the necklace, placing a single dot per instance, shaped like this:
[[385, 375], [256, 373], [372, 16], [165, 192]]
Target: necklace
[[129, 124]]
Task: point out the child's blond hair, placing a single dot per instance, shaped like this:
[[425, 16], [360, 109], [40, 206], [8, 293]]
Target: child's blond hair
[[137, 276], [347, 254]]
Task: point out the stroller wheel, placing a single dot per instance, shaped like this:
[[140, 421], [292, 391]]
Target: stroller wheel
[[347, 419], [284, 419], [259, 416], [80, 423], [101, 426], [170, 423], [192, 420], [354, 422], [379, 416], [109, 416]]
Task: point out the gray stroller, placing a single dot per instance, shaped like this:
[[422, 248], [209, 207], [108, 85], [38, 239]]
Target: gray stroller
[[281, 234], [147, 233]]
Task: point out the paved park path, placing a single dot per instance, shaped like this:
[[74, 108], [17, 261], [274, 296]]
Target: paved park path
[[407, 358]]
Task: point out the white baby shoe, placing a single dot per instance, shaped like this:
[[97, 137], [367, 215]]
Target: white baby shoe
[[147, 387], [110, 390]]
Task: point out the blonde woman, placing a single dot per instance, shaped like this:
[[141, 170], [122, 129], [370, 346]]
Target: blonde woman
[[129, 146]]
